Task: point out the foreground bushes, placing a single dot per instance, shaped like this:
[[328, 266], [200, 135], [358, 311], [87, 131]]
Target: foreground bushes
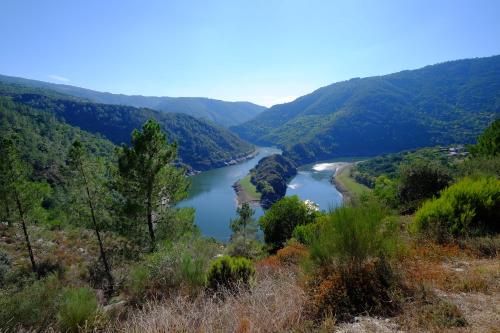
[[275, 303], [370, 288], [307, 233], [469, 207], [177, 267], [228, 272], [355, 234], [44, 303], [351, 273], [34, 306], [78, 308]]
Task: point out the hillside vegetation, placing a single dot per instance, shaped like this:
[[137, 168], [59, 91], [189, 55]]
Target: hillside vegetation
[[441, 104], [270, 177], [367, 171], [43, 139], [202, 145], [105, 248], [221, 112]]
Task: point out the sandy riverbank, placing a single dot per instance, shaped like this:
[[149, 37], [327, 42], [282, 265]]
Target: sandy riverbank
[[341, 187]]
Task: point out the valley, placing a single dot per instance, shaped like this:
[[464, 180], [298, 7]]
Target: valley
[[368, 203]]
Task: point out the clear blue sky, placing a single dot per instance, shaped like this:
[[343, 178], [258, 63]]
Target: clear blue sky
[[264, 51]]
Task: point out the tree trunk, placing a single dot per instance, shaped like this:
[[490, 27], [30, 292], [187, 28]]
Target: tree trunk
[[26, 236], [150, 225], [107, 268]]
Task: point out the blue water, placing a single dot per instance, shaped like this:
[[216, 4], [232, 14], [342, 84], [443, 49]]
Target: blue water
[[315, 186], [214, 199]]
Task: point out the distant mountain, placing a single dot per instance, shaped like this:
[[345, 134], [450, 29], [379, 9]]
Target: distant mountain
[[221, 112], [202, 145], [446, 103]]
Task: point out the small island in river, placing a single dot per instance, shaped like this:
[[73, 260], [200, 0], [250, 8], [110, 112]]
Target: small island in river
[[267, 181]]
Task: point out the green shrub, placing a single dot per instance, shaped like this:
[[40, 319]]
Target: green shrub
[[418, 181], [469, 207], [488, 144], [386, 191], [78, 308], [227, 272], [243, 246], [351, 273], [307, 233], [138, 283], [179, 266], [281, 219], [480, 166], [244, 239], [33, 307], [354, 234]]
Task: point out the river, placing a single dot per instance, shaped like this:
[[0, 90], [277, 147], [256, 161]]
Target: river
[[214, 199]]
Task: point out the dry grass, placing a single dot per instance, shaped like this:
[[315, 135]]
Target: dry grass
[[287, 258], [271, 305], [448, 312], [449, 268], [477, 275], [423, 264], [464, 286]]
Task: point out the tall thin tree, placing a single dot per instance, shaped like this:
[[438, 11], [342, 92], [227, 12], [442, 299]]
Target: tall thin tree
[[77, 160], [245, 218], [244, 237], [17, 189]]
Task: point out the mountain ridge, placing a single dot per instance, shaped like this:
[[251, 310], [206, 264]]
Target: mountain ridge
[[450, 102], [224, 113], [202, 145]]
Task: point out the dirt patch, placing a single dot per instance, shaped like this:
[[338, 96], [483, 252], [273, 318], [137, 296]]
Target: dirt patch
[[369, 324], [481, 311]]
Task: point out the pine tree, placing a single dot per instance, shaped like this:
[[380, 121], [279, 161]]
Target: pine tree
[[24, 196], [150, 183], [244, 238], [78, 160]]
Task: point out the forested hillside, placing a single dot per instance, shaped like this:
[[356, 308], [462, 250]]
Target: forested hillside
[[43, 140], [221, 112], [441, 104], [202, 145]]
